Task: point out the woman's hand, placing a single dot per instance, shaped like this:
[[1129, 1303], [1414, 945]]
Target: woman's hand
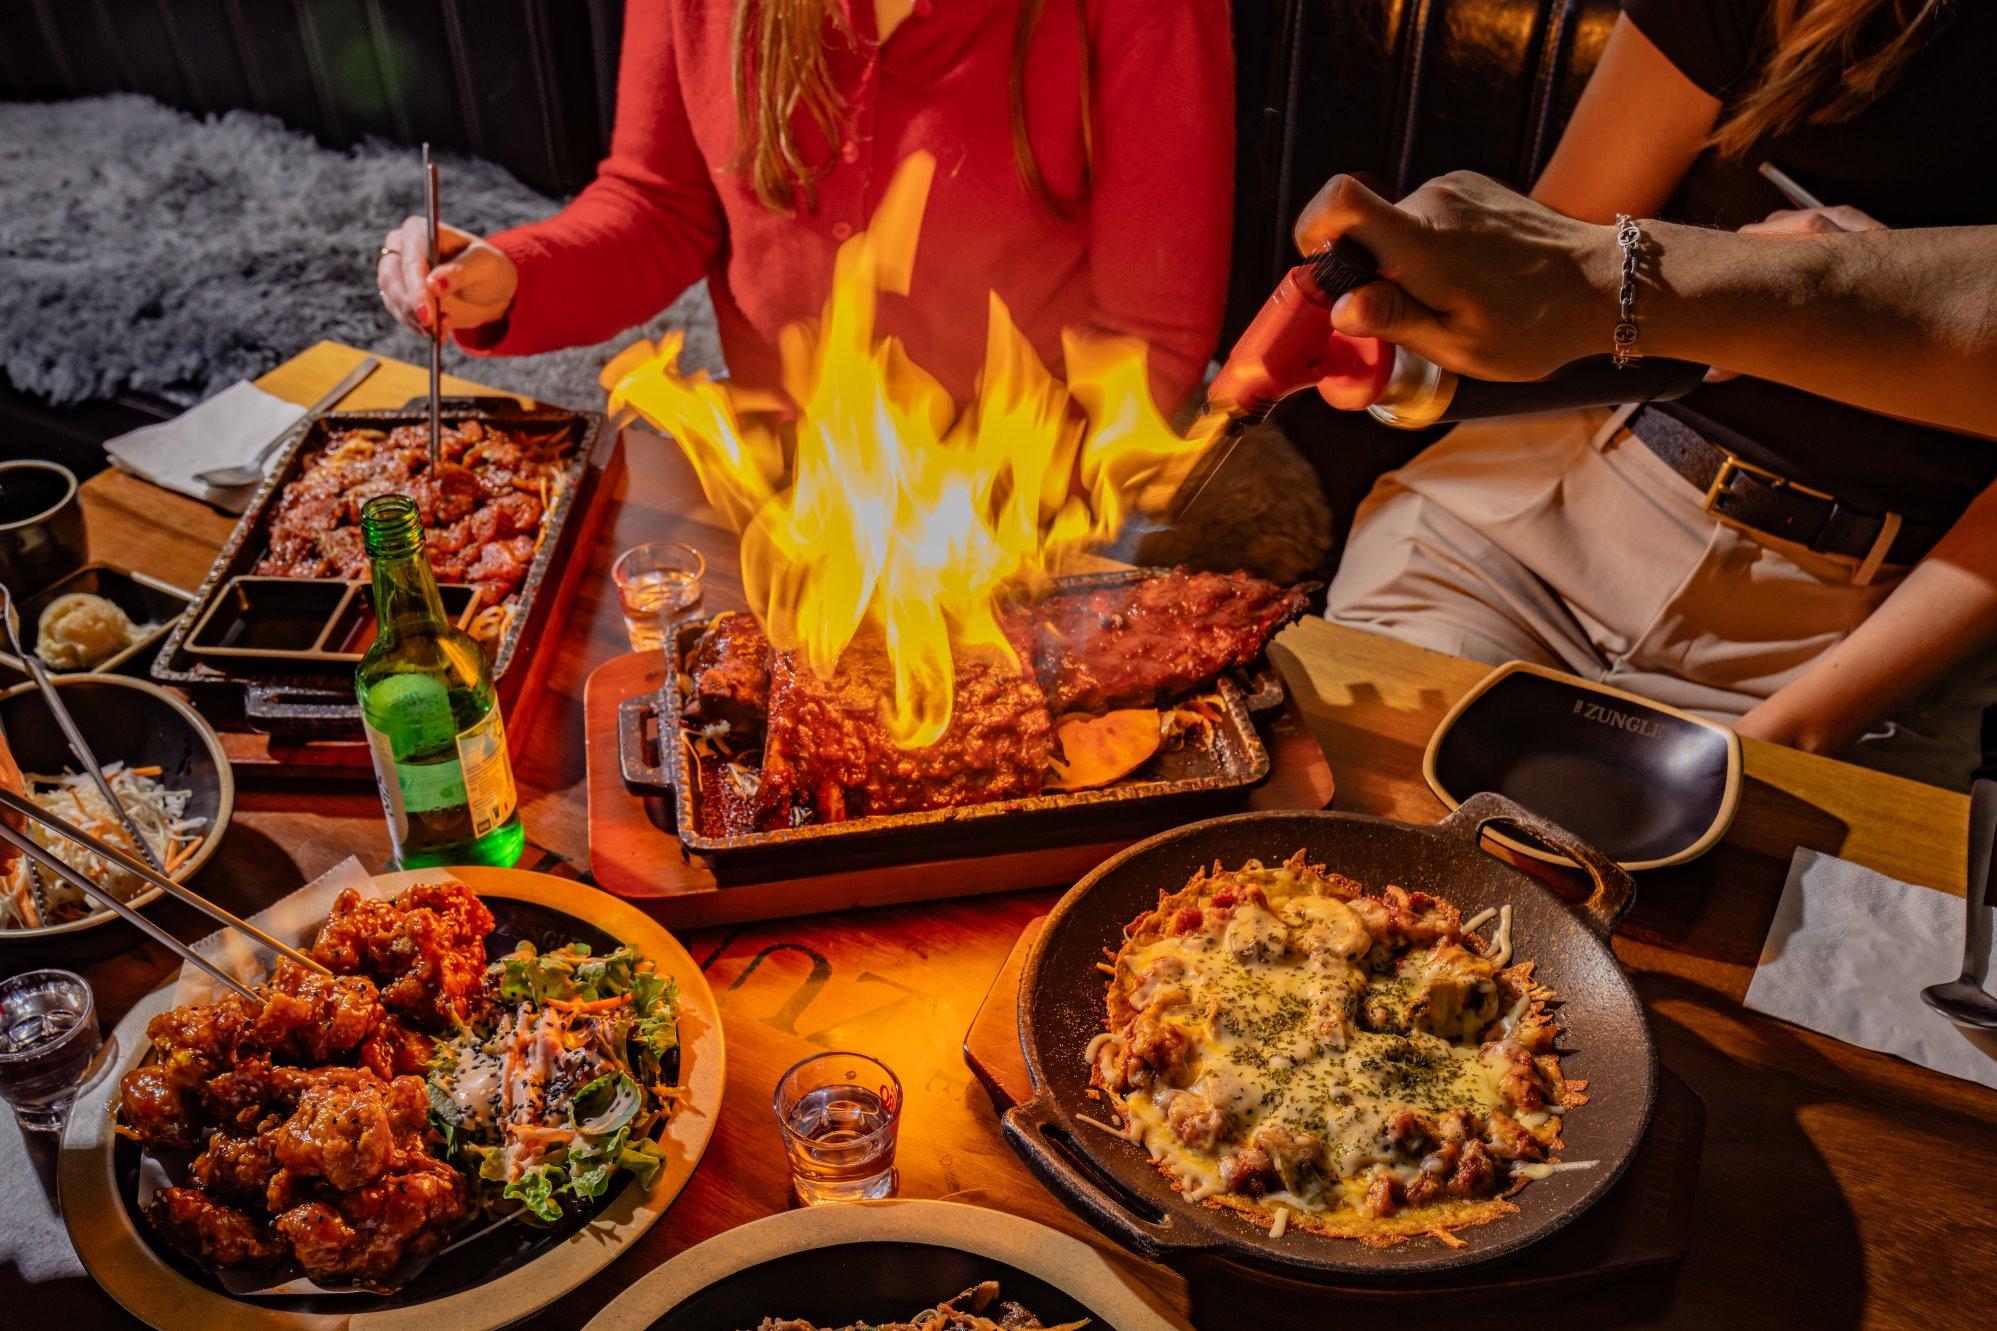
[[472, 288], [1477, 278]]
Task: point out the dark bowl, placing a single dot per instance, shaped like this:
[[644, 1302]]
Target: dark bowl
[[867, 1263], [130, 721], [41, 524], [1646, 784]]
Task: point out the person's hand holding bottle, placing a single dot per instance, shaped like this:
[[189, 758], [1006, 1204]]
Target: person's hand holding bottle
[[472, 286]]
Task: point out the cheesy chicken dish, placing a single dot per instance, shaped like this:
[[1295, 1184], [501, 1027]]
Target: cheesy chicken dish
[[1292, 1047]]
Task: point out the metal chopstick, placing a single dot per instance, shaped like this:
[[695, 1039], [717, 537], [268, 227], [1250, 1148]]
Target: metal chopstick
[[81, 882], [436, 323], [1786, 183], [62, 826], [77, 744]]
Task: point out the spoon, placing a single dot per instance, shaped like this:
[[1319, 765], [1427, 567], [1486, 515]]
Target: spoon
[[1962, 1000], [230, 478]]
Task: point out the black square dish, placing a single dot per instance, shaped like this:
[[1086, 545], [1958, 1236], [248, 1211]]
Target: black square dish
[[1648, 784]]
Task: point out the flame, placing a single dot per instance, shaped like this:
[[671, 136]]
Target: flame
[[891, 511]]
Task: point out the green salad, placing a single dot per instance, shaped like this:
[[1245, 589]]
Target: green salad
[[562, 1088]]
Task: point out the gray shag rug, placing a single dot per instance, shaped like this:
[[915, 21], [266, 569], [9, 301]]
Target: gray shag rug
[[143, 248]]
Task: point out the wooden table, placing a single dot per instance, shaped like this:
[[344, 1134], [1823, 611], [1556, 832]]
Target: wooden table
[[1840, 1187]]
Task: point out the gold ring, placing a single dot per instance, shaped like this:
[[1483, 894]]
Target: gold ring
[[385, 252]]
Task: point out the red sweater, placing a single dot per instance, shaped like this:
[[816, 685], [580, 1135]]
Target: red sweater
[[1145, 254]]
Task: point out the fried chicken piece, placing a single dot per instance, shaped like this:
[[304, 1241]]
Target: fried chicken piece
[[409, 1211], [345, 1127], [396, 1049], [730, 667], [310, 1017], [213, 1234], [827, 746], [426, 949], [1137, 644], [236, 1170], [160, 1102]]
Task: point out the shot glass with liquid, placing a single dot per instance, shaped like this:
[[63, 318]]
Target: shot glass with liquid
[[840, 1114], [48, 1035], [658, 584]]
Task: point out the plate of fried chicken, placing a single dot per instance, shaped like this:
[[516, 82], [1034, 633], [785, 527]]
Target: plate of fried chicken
[[1127, 691], [504, 1080]]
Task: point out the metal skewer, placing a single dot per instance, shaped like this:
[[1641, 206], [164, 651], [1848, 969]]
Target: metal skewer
[[1786, 183], [180, 891], [77, 745], [104, 896], [436, 322]]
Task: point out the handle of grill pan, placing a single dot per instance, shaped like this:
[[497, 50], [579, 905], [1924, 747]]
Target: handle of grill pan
[[1036, 1138], [642, 764], [1614, 891]]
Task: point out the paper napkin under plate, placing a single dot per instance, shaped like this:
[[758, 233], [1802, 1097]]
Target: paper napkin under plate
[[225, 431], [1848, 954]]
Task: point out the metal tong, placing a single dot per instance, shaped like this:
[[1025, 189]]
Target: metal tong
[[437, 322], [83, 883]]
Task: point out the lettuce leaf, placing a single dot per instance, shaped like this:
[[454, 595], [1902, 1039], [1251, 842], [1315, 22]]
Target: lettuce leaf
[[535, 1190]]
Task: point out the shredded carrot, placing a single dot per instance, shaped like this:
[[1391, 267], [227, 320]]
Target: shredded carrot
[[539, 1132], [153, 770], [599, 1005]]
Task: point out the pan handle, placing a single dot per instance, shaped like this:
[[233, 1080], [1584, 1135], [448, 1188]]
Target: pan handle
[[1614, 891], [1052, 1155], [641, 762]]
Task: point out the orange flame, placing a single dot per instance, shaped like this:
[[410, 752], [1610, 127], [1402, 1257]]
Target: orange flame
[[897, 513]]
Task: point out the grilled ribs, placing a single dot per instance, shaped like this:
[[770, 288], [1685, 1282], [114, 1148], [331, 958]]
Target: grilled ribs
[[730, 667], [827, 749], [1139, 643]]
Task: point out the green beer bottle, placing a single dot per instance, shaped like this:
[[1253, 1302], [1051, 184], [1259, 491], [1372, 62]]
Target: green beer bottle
[[430, 711]]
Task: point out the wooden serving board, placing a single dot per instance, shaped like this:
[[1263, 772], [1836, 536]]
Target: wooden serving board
[[1644, 1223], [521, 689], [633, 851]]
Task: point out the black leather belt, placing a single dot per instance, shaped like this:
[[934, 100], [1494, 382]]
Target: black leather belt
[[1759, 501]]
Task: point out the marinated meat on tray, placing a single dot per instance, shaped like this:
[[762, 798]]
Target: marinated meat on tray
[[730, 668], [1139, 643], [969, 1311], [483, 507], [827, 749]]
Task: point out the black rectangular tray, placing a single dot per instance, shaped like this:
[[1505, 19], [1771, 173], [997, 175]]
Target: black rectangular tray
[[310, 701], [1196, 777]]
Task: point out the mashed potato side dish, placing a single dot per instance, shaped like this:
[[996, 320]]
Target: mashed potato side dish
[[80, 630]]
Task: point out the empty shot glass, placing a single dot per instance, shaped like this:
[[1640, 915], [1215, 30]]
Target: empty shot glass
[[658, 583], [48, 1035], [840, 1114]]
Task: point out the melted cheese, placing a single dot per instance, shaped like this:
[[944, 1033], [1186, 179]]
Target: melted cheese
[[1290, 1031]]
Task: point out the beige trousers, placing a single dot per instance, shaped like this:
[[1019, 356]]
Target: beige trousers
[[1560, 539]]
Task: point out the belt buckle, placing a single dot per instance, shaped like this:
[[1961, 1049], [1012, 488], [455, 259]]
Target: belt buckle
[[1731, 465]]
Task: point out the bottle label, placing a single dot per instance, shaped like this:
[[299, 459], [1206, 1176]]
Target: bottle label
[[487, 773]]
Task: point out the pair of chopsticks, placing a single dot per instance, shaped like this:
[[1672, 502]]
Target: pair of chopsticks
[[437, 323], [83, 883]]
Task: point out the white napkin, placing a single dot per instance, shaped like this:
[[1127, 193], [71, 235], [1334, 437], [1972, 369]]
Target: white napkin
[[1848, 954], [225, 431]]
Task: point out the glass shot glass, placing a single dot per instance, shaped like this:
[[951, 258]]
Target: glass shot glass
[[840, 1114], [657, 584], [48, 1035]]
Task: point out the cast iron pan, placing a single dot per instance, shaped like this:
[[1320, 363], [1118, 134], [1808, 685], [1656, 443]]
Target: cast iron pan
[[1605, 1035]]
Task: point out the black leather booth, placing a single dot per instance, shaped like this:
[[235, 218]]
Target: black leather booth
[[1399, 90]]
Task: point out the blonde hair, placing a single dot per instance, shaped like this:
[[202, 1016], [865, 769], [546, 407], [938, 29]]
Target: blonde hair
[[781, 68], [1831, 60]]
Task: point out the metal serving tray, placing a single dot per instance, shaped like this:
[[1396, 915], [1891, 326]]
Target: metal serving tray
[[309, 700], [1196, 777]]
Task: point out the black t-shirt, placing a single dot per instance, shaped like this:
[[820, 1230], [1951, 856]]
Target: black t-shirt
[[1923, 154]]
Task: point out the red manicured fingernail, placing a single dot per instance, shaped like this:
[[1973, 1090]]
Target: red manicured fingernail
[[423, 316], [441, 283]]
